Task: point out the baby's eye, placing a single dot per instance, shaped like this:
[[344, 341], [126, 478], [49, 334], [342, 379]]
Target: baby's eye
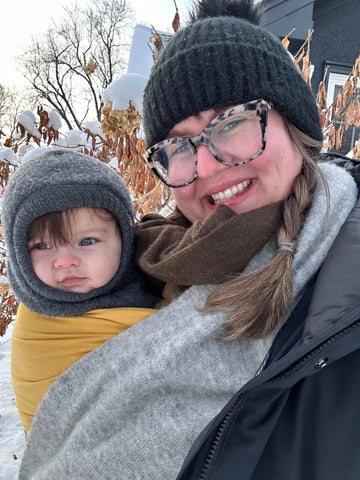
[[85, 242], [41, 246]]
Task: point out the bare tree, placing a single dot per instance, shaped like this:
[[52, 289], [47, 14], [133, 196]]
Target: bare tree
[[12, 102], [70, 65], [2, 100]]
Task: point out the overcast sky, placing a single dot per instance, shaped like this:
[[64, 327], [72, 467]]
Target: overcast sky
[[20, 19]]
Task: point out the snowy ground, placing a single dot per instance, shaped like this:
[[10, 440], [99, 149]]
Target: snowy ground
[[12, 439]]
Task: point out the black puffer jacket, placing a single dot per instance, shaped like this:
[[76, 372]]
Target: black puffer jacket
[[299, 419]]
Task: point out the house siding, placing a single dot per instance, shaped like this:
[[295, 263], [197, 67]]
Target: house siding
[[282, 16], [336, 37], [336, 24]]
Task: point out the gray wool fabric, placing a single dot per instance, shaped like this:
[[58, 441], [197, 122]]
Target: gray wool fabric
[[221, 62], [132, 408], [57, 180]]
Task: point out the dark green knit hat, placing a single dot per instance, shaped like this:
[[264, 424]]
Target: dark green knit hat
[[53, 181], [223, 61]]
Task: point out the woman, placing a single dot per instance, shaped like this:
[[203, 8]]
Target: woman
[[294, 419], [267, 333]]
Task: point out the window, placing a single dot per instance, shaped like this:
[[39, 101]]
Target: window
[[335, 82]]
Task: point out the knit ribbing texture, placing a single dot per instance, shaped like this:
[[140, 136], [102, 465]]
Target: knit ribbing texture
[[57, 180], [220, 62]]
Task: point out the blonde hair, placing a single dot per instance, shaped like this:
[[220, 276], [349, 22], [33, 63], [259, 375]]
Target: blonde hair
[[260, 300]]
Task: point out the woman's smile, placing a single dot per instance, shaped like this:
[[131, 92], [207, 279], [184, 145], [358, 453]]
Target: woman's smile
[[232, 192]]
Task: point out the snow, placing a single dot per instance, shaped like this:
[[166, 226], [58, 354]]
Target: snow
[[31, 152], [7, 155], [12, 437], [95, 128], [54, 120], [75, 139], [27, 120], [128, 87]]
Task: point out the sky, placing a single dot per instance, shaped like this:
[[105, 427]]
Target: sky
[[21, 19]]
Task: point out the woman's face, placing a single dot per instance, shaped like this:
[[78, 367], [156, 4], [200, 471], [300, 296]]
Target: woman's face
[[267, 179]]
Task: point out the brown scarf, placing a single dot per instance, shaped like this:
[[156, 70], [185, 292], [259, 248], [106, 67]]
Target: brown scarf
[[173, 250]]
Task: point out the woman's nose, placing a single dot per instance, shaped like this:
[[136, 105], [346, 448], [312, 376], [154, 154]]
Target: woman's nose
[[207, 165], [65, 258]]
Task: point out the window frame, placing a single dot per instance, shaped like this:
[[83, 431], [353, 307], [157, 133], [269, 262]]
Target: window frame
[[337, 76]]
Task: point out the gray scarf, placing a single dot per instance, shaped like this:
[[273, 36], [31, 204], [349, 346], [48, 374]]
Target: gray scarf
[[131, 409]]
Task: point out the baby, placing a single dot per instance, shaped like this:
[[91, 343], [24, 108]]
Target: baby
[[68, 222]]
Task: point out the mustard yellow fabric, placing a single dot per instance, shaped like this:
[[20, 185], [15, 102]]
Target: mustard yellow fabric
[[44, 347]]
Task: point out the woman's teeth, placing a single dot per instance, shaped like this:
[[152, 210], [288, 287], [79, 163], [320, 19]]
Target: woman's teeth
[[231, 192]]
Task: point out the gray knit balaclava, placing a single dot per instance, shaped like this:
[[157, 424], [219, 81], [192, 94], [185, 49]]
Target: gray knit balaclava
[[221, 60], [57, 180]]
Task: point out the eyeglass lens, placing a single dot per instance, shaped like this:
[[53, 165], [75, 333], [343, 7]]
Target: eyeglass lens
[[234, 140]]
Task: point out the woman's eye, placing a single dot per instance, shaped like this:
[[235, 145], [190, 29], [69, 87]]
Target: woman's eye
[[232, 124], [180, 149], [85, 242]]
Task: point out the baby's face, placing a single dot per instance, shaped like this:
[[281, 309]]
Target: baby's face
[[89, 260]]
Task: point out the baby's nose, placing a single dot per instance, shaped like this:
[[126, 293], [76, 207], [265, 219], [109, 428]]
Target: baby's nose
[[66, 259]]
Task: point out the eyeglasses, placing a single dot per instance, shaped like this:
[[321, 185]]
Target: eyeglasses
[[235, 137]]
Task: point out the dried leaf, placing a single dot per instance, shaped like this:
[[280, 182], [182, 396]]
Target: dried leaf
[[339, 136], [22, 129], [338, 106], [44, 117], [140, 146], [305, 45], [356, 68], [306, 73], [8, 303], [90, 67], [156, 39], [322, 96], [120, 121], [331, 136], [325, 118], [356, 149], [299, 58], [176, 22], [348, 90], [356, 119], [352, 114], [285, 41], [32, 138]]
